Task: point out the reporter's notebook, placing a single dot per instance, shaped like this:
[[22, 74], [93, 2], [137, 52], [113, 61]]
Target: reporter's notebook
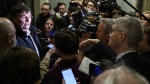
[[84, 66]]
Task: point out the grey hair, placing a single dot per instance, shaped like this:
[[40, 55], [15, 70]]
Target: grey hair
[[108, 23], [132, 28], [123, 73]]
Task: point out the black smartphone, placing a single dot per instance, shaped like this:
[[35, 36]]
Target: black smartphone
[[94, 70], [73, 4], [68, 76]]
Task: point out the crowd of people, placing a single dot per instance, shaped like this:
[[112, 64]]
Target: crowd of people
[[37, 54]]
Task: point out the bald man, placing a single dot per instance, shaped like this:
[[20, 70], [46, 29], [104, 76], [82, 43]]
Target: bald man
[[7, 34]]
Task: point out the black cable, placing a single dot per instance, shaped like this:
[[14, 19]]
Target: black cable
[[137, 11]]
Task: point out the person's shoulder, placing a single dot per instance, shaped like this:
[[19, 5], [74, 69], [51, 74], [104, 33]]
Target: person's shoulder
[[135, 58], [52, 12], [51, 15], [65, 17], [33, 28], [39, 15]]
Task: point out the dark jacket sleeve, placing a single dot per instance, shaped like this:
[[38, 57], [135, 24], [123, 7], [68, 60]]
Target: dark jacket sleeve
[[37, 22], [101, 51]]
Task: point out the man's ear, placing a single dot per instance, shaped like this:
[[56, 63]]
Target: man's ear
[[122, 36], [9, 40], [108, 37], [58, 52]]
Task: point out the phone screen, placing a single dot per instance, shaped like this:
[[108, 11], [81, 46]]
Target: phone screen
[[94, 70], [68, 76], [50, 45]]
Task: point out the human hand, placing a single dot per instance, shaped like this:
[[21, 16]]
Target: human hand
[[92, 41], [57, 61], [50, 52], [85, 36], [88, 44]]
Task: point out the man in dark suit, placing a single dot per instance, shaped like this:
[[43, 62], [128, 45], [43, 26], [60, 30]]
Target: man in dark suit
[[127, 32], [144, 45]]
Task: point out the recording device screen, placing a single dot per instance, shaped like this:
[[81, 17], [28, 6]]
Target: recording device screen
[[94, 70], [68, 76]]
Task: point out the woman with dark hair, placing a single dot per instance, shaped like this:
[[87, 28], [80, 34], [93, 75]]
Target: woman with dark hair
[[46, 34]]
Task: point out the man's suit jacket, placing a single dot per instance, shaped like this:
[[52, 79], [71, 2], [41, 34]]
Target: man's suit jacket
[[146, 55], [137, 63]]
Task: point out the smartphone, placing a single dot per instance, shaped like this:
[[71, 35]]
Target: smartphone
[[68, 76], [50, 46], [94, 70]]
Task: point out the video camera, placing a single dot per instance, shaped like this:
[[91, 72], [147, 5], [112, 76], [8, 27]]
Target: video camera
[[107, 6], [85, 24], [73, 4]]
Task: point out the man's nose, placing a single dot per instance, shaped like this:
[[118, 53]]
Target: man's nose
[[27, 19], [48, 25], [43, 10]]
